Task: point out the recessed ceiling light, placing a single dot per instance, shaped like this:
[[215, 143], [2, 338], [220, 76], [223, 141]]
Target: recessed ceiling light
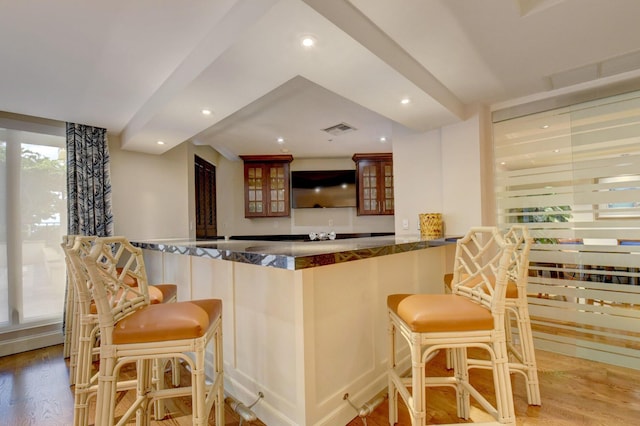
[[544, 126], [502, 163], [383, 139], [308, 41], [280, 140], [160, 143], [556, 150], [206, 112], [405, 101]]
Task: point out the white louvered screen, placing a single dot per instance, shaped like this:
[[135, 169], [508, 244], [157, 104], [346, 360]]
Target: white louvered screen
[[573, 175]]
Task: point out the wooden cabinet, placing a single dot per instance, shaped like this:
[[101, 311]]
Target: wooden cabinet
[[374, 174], [266, 185]]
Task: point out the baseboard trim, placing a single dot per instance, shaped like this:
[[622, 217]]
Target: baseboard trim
[[30, 343]]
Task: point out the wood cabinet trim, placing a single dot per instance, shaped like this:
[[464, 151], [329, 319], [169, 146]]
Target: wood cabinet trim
[[376, 156], [267, 158]]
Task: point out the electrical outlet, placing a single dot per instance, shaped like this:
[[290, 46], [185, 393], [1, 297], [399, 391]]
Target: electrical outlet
[[405, 223]]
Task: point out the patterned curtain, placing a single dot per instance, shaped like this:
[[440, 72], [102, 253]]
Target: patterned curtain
[[88, 196], [88, 181]]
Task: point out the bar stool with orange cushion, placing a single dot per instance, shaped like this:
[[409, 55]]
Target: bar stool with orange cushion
[[133, 330], [85, 331], [158, 293], [472, 316], [522, 358]]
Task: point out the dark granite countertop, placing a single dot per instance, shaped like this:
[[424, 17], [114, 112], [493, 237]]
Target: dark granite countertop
[[294, 255]]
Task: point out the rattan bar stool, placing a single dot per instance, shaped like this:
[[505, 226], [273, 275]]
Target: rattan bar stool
[[133, 330], [159, 293], [85, 332], [522, 358], [472, 316]]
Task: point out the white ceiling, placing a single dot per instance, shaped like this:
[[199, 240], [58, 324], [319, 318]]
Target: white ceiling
[[145, 69]]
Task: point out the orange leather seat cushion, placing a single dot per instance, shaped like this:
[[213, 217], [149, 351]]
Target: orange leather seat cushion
[[169, 321], [169, 291], [439, 312], [512, 288]]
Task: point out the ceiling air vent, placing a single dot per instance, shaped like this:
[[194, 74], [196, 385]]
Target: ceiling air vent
[[339, 129]]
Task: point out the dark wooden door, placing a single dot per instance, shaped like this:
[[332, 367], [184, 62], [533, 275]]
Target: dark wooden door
[[205, 185]]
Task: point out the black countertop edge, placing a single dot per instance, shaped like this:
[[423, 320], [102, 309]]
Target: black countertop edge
[[295, 237], [294, 255]]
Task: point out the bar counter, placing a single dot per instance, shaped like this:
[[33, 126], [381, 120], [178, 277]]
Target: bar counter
[[304, 322], [293, 254]]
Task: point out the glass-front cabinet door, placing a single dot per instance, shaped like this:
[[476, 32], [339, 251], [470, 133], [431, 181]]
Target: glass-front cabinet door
[[374, 174], [266, 183]]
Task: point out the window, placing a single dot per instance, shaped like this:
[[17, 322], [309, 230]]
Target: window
[[33, 220]]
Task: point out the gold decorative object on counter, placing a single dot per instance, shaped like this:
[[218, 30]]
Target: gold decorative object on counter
[[431, 226]]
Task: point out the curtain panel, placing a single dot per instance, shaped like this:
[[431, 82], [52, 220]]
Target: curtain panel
[[88, 181], [88, 197]]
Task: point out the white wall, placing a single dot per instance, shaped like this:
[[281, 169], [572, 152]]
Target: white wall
[[440, 172], [462, 178], [417, 174], [149, 192]]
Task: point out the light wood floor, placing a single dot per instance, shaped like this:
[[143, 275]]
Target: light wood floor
[[34, 390]]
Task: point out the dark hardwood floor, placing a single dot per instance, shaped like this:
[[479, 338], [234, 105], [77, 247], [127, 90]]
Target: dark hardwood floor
[[34, 390]]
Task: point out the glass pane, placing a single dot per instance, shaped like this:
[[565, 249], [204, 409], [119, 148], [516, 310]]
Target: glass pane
[[367, 205], [258, 207], [572, 177], [4, 299], [43, 223]]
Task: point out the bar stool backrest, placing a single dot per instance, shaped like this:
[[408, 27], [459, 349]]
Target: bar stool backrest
[[109, 265], [519, 236], [77, 247], [480, 273]]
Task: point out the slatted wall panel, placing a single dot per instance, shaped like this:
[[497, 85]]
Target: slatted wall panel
[[573, 175]]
